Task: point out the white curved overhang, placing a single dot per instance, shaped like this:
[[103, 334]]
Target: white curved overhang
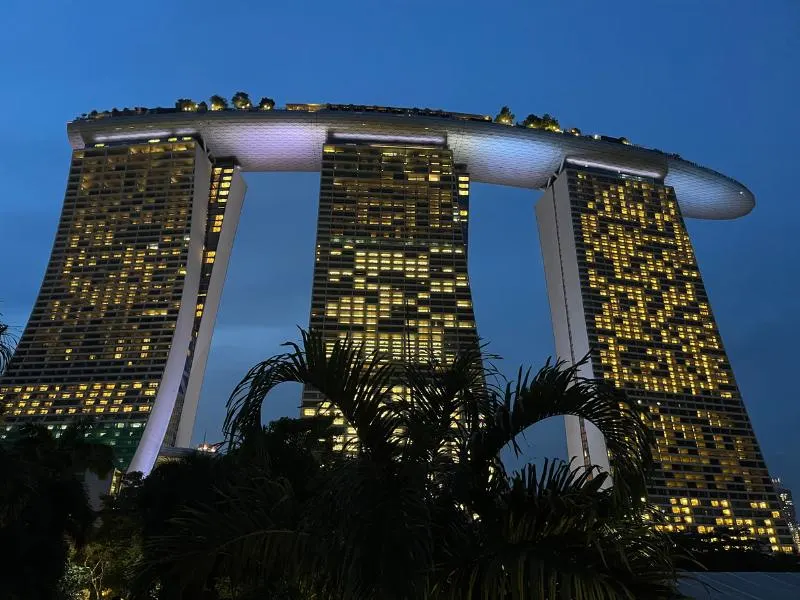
[[281, 140]]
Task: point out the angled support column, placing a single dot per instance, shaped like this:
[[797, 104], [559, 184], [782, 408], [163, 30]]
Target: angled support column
[[585, 443]]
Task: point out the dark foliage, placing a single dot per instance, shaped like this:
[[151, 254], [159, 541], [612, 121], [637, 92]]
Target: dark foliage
[[420, 505], [43, 506]]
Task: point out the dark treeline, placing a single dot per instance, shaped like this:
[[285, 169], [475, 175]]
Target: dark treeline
[[418, 506]]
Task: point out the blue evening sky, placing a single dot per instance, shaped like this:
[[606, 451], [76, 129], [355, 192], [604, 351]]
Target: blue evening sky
[[716, 81]]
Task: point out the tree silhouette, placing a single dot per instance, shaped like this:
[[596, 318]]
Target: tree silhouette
[[421, 506], [186, 104], [505, 116], [241, 100], [43, 505], [218, 103]]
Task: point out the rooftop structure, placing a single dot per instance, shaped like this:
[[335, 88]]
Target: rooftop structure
[[290, 140]]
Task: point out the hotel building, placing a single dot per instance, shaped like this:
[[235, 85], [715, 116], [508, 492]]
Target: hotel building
[[391, 255], [122, 325], [625, 290]]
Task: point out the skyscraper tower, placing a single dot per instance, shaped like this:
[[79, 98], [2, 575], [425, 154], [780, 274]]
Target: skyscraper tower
[[788, 510], [391, 254], [625, 289], [122, 324]]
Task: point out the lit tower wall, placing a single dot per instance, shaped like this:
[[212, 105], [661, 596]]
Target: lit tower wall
[[625, 288], [122, 324], [391, 254]]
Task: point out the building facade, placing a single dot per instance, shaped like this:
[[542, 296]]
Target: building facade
[[122, 324], [625, 290], [391, 255]]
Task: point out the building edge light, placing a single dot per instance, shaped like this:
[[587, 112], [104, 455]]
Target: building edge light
[[155, 429], [136, 136], [592, 164], [399, 139]]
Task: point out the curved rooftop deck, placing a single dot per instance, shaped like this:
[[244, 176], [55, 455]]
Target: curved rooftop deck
[[292, 140]]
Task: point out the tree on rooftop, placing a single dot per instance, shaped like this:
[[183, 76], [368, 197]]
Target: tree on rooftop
[[505, 116], [186, 104], [550, 123], [241, 100], [266, 103], [218, 103], [532, 121]]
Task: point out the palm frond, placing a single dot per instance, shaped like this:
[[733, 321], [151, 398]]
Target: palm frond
[[447, 402], [244, 405], [556, 533], [357, 385], [557, 390], [7, 342], [374, 530]]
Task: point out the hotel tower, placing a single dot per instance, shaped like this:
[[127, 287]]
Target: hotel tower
[[391, 255], [121, 328], [625, 290]]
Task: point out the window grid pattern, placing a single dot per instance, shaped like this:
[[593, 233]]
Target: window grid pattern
[[391, 256], [98, 338], [652, 334]]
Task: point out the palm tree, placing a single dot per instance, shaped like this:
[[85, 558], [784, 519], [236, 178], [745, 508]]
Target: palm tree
[[6, 348], [422, 506]]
